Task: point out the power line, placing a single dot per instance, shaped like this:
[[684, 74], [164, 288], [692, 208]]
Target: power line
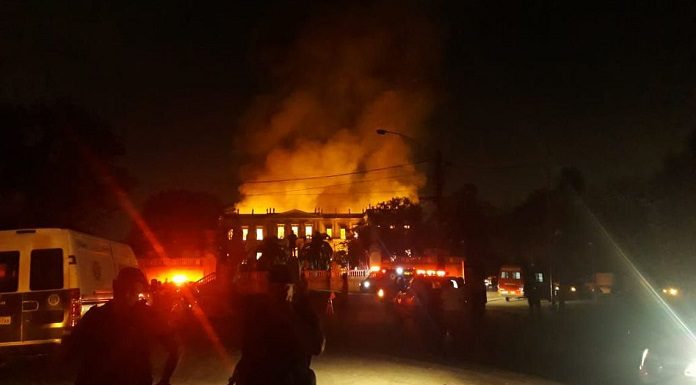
[[332, 185], [348, 193], [333, 175]]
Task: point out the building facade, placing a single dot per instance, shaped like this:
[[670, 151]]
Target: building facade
[[339, 227]]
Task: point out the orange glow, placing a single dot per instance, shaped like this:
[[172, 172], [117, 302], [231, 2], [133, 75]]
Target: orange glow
[[441, 273], [309, 144], [209, 330], [180, 279], [420, 272], [375, 268], [177, 276]]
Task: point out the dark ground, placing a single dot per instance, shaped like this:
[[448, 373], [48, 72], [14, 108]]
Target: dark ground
[[591, 342]]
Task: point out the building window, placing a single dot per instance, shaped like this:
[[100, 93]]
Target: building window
[[329, 232], [295, 229], [308, 231], [407, 227], [539, 277], [281, 231], [259, 233], [343, 233], [245, 233], [230, 234]]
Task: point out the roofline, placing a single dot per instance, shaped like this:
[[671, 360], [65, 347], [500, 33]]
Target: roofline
[[231, 212]]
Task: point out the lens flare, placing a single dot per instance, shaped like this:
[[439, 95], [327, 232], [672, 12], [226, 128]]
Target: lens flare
[[644, 282]]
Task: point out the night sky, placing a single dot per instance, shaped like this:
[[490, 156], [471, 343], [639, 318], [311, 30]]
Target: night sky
[[606, 88]]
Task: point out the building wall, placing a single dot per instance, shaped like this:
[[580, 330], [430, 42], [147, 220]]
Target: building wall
[[339, 225]]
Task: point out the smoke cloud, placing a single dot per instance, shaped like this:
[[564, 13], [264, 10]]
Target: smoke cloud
[[346, 74]]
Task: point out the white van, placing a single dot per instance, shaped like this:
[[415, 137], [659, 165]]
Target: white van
[[49, 278]]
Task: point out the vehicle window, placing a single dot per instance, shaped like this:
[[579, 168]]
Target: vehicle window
[[539, 277], [504, 275], [46, 270], [516, 275], [9, 271]]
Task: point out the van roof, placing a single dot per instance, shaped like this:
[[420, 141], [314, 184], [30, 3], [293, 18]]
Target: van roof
[[50, 230]]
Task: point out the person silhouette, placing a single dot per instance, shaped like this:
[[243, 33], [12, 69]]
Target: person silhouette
[[113, 342], [281, 334]]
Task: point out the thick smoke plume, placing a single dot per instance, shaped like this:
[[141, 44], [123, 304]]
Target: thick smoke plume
[[346, 75]]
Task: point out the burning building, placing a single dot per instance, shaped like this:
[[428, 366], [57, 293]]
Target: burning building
[[338, 227]]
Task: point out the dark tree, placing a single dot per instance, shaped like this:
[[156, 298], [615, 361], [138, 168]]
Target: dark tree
[[58, 168], [398, 225], [552, 229], [653, 219], [468, 227], [183, 222]]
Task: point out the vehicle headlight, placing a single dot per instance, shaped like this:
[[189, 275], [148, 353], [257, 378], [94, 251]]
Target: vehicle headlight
[[366, 284], [380, 293], [399, 270], [573, 289], [673, 291]]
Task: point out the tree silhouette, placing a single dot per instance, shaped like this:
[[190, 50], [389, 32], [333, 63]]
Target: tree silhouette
[[182, 222], [57, 167]]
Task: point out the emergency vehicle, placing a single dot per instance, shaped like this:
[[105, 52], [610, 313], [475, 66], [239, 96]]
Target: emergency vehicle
[[49, 278], [511, 282]]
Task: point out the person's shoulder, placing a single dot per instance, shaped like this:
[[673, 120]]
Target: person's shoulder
[[142, 308], [96, 314]]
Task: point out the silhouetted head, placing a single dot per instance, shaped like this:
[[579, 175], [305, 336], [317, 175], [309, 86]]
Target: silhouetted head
[[128, 285], [281, 283]]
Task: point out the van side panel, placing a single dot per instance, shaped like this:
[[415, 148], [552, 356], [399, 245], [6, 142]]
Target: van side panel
[[95, 270], [123, 256]]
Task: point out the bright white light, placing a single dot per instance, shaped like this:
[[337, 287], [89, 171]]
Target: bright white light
[[380, 293], [179, 279], [573, 289], [399, 270], [366, 284], [454, 283]]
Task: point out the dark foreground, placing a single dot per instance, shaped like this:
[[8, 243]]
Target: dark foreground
[[589, 343]]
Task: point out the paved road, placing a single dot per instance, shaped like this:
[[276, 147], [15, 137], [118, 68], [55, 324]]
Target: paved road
[[366, 345]]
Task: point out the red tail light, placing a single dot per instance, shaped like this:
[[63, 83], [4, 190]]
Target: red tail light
[[75, 310]]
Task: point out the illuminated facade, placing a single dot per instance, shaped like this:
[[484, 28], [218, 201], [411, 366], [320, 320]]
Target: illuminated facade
[[301, 223]]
